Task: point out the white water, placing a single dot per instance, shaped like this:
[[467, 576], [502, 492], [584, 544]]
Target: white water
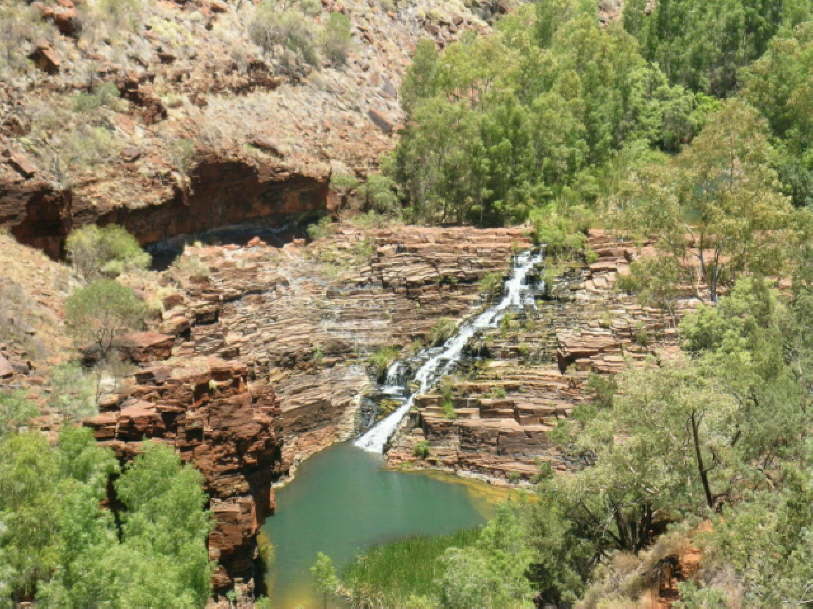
[[515, 294]]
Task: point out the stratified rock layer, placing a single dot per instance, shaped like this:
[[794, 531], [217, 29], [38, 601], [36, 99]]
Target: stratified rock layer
[[535, 372], [310, 326], [229, 429]]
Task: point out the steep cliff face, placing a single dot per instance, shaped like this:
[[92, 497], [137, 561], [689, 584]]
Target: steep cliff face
[[202, 125], [228, 428]]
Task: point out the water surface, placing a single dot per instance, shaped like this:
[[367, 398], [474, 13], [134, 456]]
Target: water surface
[[342, 502]]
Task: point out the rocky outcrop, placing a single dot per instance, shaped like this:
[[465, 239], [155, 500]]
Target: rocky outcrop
[[308, 319], [535, 372], [228, 428]]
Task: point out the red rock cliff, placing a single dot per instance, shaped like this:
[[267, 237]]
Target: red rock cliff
[[228, 429]]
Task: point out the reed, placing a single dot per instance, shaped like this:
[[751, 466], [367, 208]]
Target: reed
[[393, 575]]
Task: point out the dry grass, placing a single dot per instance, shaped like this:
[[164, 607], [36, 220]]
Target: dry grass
[[33, 289]]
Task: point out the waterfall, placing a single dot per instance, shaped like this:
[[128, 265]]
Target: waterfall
[[515, 294]]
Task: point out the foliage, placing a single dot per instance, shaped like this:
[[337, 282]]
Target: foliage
[[421, 449], [287, 26], [73, 392], [337, 38], [715, 209], [15, 411], [114, 16], [103, 95], [19, 24], [379, 194], [401, 574], [656, 281], [324, 575], [500, 123], [381, 359], [561, 231], [778, 85], [105, 251], [704, 45], [491, 573], [442, 330], [99, 312], [182, 152], [491, 284], [717, 433], [60, 546], [343, 182], [768, 543], [321, 229]]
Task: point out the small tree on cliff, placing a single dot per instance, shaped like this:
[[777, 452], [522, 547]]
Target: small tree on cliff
[[104, 251], [101, 311]]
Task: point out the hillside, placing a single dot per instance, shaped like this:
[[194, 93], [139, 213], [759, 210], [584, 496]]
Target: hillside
[[169, 118]]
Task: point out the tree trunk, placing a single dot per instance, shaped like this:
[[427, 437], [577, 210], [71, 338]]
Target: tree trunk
[[704, 478]]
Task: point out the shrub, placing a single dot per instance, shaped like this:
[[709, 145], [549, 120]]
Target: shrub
[[343, 183], [104, 252], [381, 359], [15, 410], [442, 331], [641, 335], [421, 449], [491, 284], [87, 146], [106, 94], [115, 16], [18, 26], [379, 194], [99, 312], [182, 153], [561, 231], [603, 388], [289, 28], [321, 229], [336, 38], [73, 392]]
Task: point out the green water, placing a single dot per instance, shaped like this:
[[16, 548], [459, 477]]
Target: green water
[[342, 502]]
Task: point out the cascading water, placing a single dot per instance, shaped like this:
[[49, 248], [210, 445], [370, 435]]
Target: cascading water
[[516, 293]]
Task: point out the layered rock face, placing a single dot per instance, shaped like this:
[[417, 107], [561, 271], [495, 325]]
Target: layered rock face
[[307, 319], [226, 427], [535, 372]]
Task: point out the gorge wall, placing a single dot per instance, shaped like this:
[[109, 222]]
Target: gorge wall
[[208, 128]]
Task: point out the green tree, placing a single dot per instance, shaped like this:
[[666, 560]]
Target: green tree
[[325, 578], [106, 251], [28, 494], [15, 411], [420, 79], [498, 124], [379, 194], [101, 311], [704, 45], [491, 574], [778, 85], [165, 522], [656, 280], [717, 209]]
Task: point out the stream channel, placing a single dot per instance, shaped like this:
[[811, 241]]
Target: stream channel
[[344, 501]]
